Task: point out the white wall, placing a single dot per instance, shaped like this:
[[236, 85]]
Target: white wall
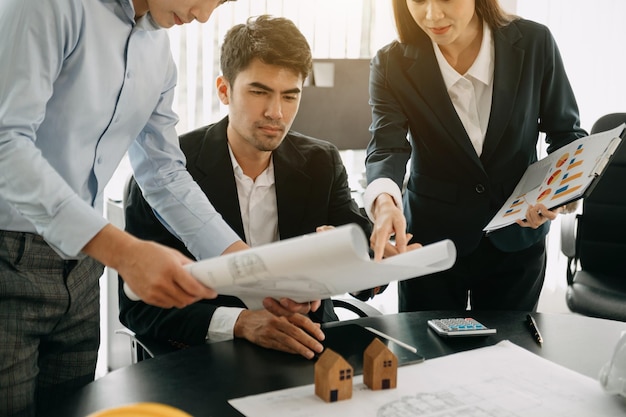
[[591, 38]]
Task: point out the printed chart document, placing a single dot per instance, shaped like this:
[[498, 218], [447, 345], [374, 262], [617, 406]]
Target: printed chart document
[[503, 380], [315, 266], [565, 175]]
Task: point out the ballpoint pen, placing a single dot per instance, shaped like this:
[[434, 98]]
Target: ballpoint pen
[[394, 340], [532, 325]]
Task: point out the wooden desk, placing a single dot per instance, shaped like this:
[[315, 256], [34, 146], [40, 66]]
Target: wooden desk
[[200, 380]]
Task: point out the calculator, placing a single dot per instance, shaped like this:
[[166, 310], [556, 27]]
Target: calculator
[[453, 327]]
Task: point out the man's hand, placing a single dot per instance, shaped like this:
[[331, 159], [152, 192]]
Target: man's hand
[[153, 272], [287, 307], [295, 333], [389, 221]]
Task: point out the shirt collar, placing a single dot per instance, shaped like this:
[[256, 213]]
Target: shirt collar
[[236, 167], [483, 67], [128, 7], [266, 177], [145, 22]]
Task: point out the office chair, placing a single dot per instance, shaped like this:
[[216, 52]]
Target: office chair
[[595, 243], [358, 307], [142, 347]]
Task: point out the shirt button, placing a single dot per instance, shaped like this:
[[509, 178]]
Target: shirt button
[[99, 160], [480, 188], [128, 74]]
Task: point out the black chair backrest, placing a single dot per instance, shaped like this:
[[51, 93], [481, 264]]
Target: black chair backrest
[[601, 237]]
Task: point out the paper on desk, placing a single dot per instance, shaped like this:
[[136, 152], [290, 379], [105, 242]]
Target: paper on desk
[[315, 266], [504, 380]]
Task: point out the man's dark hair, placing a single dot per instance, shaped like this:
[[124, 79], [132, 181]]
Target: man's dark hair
[[272, 40]]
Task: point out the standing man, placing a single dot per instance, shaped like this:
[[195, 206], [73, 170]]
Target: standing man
[[267, 182], [82, 82]]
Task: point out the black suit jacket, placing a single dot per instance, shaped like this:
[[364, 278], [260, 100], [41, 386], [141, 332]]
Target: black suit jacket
[[311, 190], [451, 192]]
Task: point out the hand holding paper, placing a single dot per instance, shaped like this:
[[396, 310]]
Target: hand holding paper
[[565, 175], [315, 266]]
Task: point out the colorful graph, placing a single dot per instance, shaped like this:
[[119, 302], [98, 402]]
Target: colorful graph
[[553, 177], [559, 181], [567, 177], [564, 191], [515, 207], [544, 194], [573, 172], [574, 163], [562, 160]]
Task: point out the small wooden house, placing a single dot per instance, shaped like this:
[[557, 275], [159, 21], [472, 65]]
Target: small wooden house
[[380, 366], [333, 377]]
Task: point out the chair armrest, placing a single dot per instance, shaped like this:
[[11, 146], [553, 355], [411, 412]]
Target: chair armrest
[[568, 234], [134, 349], [358, 307], [143, 347]]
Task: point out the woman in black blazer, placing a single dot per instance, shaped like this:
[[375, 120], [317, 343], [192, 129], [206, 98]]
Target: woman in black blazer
[[472, 87]]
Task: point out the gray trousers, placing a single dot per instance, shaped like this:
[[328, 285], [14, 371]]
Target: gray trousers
[[49, 324]]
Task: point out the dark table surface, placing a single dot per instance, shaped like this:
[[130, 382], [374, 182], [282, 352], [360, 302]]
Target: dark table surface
[[200, 380]]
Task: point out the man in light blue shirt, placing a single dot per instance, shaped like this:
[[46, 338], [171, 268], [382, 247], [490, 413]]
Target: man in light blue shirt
[[82, 82]]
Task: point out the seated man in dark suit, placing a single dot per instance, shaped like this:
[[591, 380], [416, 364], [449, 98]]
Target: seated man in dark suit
[[267, 182]]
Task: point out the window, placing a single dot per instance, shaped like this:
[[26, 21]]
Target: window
[[345, 374]]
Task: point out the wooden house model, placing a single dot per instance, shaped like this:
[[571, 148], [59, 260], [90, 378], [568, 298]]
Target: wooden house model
[[333, 377], [380, 366]]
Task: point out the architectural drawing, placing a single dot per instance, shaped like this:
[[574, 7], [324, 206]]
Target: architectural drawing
[[503, 380]]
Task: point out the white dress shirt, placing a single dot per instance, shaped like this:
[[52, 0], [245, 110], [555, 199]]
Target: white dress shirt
[[257, 201], [471, 93], [259, 214]]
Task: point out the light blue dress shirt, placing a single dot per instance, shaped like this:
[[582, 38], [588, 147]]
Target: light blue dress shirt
[[81, 83]]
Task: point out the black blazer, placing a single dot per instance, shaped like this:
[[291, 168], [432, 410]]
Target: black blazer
[[311, 190], [451, 192]]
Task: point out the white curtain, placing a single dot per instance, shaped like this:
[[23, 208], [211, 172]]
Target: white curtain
[[334, 29], [591, 37]]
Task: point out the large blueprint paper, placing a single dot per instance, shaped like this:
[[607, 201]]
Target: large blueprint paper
[[315, 266], [503, 380]]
